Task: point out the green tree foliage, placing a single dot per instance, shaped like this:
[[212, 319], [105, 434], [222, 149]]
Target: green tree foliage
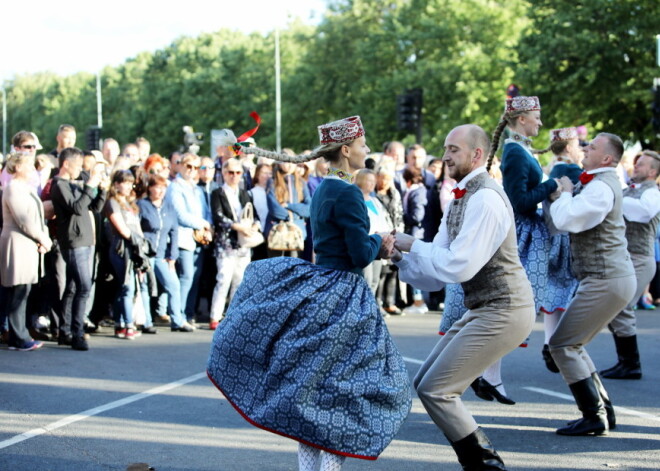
[[590, 62], [593, 63]]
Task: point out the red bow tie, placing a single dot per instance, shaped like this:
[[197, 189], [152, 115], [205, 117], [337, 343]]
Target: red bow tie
[[458, 193], [586, 177], [633, 186]]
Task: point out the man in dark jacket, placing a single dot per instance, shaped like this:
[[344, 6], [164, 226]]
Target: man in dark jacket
[[73, 203]]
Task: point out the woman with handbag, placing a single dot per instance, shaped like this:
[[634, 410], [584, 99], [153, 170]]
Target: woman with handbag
[[288, 201], [303, 351], [232, 237], [124, 222]]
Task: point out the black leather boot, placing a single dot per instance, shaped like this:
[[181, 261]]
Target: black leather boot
[[609, 408], [476, 453], [628, 366], [594, 417], [549, 361]]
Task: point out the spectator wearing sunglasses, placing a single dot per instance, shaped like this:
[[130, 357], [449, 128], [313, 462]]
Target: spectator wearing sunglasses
[[23, 142], [183, 192]]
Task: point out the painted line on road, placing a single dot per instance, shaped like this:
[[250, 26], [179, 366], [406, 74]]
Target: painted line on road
[[412, 360], [98, 410], [618, 409]]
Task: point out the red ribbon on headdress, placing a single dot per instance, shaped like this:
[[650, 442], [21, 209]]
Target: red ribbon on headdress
[[254, 115], [237, 147]]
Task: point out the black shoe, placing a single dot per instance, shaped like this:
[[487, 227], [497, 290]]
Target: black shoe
[[90, 328], [477, 390], [79, 343], [487, 390], [549, 361], [628, 365], [476, 453], [183, 328], [64, 339], [594, 417], [148, 330]]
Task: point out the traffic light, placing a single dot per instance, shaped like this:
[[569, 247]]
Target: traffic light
[[409, 110], [655, 109], [93, 138], [512, 91]]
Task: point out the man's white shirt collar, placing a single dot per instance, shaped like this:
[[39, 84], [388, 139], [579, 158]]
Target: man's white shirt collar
[[461, 185]]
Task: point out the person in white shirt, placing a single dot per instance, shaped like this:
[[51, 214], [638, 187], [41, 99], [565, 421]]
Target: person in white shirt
[[641, 210], [475, 246], [592, 213]]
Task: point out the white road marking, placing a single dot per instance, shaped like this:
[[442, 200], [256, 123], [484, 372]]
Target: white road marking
[[98, 410], [618, 409], [412, 360]]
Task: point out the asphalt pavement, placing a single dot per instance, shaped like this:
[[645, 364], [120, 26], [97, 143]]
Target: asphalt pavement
[[149, 401]]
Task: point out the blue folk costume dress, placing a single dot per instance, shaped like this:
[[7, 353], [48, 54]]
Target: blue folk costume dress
[[562, 283], [522, 178], [303, 351]]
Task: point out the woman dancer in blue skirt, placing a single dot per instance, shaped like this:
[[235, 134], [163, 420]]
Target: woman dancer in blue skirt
[[303, 351]]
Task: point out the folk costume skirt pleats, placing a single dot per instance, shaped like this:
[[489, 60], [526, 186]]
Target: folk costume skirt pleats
[[304, 353]]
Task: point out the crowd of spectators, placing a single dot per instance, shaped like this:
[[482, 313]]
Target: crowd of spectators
[[132, 240]]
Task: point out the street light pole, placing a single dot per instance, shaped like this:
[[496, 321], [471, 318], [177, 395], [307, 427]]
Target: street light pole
[[4, 121], [99, 105], [278, 94]]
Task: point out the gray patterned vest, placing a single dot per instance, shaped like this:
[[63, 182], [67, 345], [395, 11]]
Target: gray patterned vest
[[501, 283], [640, 236], [601, 252]]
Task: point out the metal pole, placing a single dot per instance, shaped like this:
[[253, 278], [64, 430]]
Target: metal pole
[[278, 95], [99, 105], [4, 122]]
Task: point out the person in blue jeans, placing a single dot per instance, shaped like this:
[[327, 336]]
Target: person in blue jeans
[[73, 201], [160, 226], [183, 193]]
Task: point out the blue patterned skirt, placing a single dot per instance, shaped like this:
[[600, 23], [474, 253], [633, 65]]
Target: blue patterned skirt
[[562, 284], [454, 307], [304, 353], [534, 251]]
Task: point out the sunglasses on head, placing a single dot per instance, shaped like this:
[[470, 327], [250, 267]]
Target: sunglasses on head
[[192, 167]]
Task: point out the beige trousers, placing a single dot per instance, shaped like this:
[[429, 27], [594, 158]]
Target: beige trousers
[[625, 322], [595, 304], [474, 342]]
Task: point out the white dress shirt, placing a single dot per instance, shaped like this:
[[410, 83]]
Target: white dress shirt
[[643, 209], [431, 265], [585, 211]]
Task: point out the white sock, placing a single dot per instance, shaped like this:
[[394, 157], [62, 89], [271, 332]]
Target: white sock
[[493, 375], [308, 457], [331, 462], [550, 322]]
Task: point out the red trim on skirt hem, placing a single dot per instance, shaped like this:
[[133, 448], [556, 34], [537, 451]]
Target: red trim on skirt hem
[[329, 450], [545, 311]]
